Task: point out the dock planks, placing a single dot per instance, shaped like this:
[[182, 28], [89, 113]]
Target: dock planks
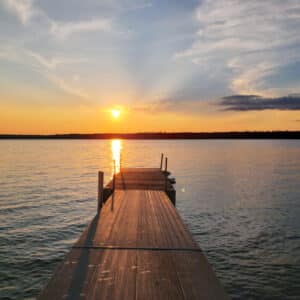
[[140, 250], [136, 178]]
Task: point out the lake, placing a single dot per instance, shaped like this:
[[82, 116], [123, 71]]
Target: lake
[[240, 199]]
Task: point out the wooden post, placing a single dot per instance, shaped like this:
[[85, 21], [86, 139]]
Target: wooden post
[[161, 161], [166, 175], [114, 187], [100, 191]]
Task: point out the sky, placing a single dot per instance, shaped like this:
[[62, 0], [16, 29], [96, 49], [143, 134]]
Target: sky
[[210, 65]]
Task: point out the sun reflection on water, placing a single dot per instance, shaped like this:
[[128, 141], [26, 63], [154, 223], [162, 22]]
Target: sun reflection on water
[[116, 148]]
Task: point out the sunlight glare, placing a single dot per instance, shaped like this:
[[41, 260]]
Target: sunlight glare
[[115, 113], [116, 147]]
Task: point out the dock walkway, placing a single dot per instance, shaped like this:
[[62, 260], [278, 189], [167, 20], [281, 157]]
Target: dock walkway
[[139, 250]]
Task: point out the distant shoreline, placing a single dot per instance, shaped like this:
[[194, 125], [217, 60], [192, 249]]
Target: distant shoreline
[[164, 136]]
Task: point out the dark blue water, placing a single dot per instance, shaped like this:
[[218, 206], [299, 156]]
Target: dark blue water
[[241, 200]]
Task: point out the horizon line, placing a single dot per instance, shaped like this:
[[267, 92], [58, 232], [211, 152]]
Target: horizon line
[[291, 134]]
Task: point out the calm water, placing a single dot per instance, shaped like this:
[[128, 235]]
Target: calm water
[[241, 200]]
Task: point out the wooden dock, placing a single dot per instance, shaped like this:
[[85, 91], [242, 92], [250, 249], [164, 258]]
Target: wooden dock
[[139, 250]]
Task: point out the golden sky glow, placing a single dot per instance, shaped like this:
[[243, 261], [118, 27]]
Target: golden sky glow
[[50, 120]]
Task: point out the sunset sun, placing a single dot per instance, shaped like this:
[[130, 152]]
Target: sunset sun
[[115, 113]]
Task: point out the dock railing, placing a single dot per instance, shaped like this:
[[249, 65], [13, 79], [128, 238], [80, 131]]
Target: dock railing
[[161, 161], [100, 191], [114, 186]]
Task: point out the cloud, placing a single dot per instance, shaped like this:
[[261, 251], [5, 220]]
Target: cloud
[[64, 29], [70, 88], [140, 5], [16, 53], [173, 105], [23, 9], [156, 106], [52, 63], [249, 40], [255, 102], [48, 67]]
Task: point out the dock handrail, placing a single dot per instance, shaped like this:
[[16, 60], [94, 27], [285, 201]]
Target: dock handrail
[[161, 161], [166, 174], [166, 164], [113, 187], [100, 191]]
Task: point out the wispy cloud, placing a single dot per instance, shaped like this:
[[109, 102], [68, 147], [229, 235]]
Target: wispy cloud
[[64, 29], [173, 105], [255, 102], [155, 106], [48, 67], [16, 53], [248, 39], [139, 5], [23, 9], [51, 63], [70, 88], [9, 53]]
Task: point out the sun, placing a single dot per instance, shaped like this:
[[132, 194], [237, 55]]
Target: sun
[[115, 113]]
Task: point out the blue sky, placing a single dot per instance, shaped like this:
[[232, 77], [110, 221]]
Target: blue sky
[[178, 56]]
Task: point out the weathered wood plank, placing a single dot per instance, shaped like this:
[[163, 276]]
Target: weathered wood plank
[[142, 218], [134, 274], [116, 276], [73, 277], [152, 179], [156, 279], [196, 277], [126, 226], [94, 274]]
